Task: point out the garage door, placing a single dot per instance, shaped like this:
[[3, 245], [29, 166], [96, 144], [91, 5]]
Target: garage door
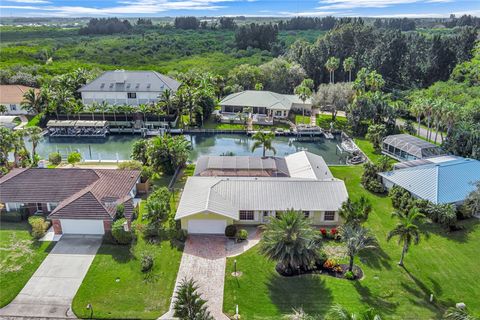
[[207, 226], [73, 226]]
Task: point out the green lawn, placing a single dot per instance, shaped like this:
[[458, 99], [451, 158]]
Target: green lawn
[[20, 256], [323, 121], [35, 121], [367, 148], [135, 295], [445, 265]]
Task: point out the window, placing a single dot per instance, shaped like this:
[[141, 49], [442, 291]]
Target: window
[[13, 107], [246, 215], [307, 214], [51, 206], [329, 216], [131, 95], [265, 213]]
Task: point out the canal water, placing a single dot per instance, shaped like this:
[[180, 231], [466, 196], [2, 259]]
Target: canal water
[[120, 146]]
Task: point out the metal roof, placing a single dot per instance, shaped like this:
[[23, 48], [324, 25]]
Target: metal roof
[[240, 166], [226, 196], [413, 145], [307, 165], [419, 162], [262, 99], [444, 182], [131, 81]]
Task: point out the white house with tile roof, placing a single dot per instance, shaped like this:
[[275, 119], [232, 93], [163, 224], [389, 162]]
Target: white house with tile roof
[[217, 195]]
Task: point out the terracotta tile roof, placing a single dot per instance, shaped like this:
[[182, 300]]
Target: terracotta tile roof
[[81, 193], [12, 93]]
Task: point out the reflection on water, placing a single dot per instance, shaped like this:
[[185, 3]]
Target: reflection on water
[[120, 146]]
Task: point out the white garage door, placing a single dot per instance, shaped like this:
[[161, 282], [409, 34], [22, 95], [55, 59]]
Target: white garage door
[[207, 226], [73, 226]]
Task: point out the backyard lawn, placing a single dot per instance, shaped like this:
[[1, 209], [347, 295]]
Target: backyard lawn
[[117, 289], [20, 257], [445, 265], [323, 121]]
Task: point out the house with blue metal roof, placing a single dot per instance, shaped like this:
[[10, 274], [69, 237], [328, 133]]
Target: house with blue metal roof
[[441, 182]]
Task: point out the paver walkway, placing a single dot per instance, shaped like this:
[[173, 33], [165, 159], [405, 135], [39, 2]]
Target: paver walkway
[[204, 260], [50, 291]]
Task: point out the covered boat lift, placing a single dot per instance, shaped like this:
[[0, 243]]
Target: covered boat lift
[[77, 128]]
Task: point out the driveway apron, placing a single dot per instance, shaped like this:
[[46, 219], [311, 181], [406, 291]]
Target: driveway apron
[[50, 291]]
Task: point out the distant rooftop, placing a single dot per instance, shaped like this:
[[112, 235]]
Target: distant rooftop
[[442, 182], [12, 93], [262, 99], [131, 81]]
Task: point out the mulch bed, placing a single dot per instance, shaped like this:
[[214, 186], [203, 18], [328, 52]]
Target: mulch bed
[[329, 272]]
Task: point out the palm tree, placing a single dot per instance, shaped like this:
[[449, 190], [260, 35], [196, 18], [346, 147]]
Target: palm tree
[[356, 239], [355, 211], [34, 136], [102, 107], [337, 312], [188, 304], [458, 314], [3, 109], [407, 230], [450, 116], [113, 109], [291, 241], [348, 65], [332, 65], [264, 140], [167, 98], [33, 101], [438, 110], [304, 93], [18, 145], [416, 109]]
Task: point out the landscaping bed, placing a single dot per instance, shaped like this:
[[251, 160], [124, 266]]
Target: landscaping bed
[[332, 272]]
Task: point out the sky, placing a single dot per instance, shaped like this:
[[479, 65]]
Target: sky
[[281, 8]]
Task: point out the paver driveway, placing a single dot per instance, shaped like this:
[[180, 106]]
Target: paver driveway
[[204, 260], [50, 291]]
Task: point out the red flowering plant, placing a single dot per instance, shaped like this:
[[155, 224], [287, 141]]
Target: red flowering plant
[[323, 231]]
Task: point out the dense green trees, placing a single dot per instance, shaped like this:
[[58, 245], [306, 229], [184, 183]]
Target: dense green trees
[[186, 23], [167, 153], [333, 97], [356, 239], [106, 26], [261, 36]]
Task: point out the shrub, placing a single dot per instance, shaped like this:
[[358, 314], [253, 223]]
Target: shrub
[[74, 158], [242, 235], [321, 259], [119, 214], [11, 216], [55, 158], [39, 226], [119, 233], [230, 231], [130, 165], [338, 268], [330, 264], [349, 275], [150, 231], [181, 235], [323, 231], [147, 262]]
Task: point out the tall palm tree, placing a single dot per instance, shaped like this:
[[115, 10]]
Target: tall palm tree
[[33, 101], [450, 116], [264, 140], [348, 66], [304, 93], [416, 109], [337, 312], [356, 239], [291, 241], [355, 211], [438, 110], [143, 108], [34, 135], [189, 304], [167, 97], [113, 108], [332, 64], [18, 145], [407, 230]]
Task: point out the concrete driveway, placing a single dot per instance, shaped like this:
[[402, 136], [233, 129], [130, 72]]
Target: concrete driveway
[[50, 291]]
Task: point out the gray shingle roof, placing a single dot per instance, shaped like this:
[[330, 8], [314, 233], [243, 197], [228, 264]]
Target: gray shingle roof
[[444, 182], [265, 99], [131, 81]]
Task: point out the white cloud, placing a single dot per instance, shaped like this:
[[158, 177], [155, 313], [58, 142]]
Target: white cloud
[[124, 7], [350, 4]]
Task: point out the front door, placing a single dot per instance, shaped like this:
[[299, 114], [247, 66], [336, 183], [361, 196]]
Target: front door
[[265, 216]]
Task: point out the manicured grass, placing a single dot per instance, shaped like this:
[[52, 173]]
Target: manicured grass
[[367, 148], [136, 295], [445, 265], [324, 120], [20, 257]]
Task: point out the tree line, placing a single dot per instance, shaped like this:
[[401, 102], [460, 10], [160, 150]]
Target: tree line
[[106, 26]]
